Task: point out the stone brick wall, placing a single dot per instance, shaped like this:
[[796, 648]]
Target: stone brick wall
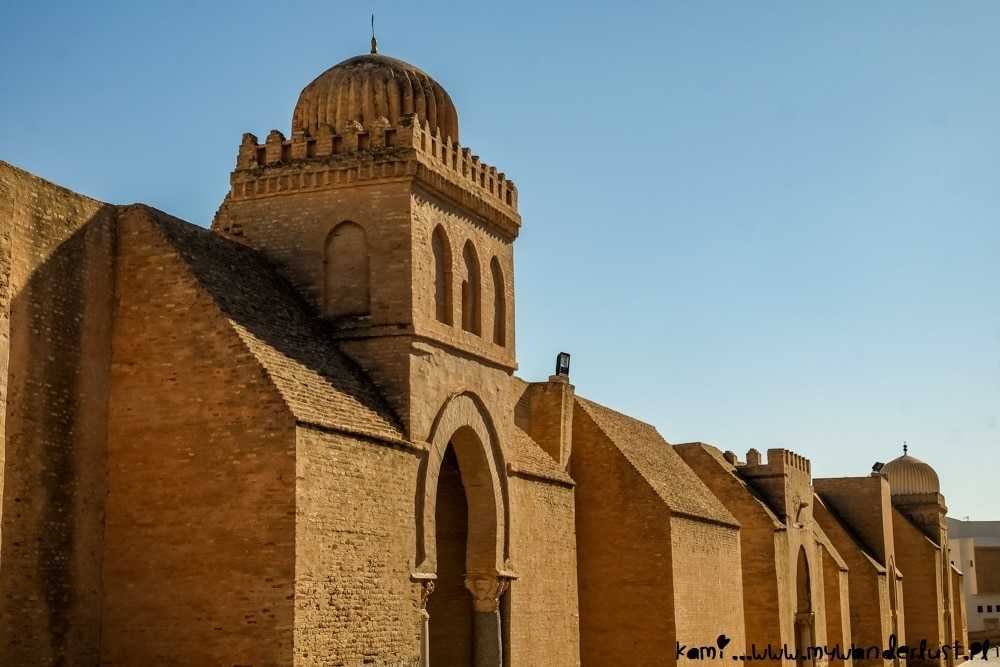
[[624, 557], [429, 212], [708, 587], [354, 601], [436, 375], [398, 221], [292, 231], [56, 290], [863, 503], [864, 507], [837, 604], [545, 412], [200, 525], [543, 600], [920, 562], [761, 601], [867, 587]]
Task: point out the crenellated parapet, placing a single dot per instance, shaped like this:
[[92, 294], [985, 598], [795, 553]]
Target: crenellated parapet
[[785, 479], [785, 459], [328, 159]]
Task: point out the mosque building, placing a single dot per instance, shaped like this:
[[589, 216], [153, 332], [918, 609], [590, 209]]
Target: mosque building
[[298, 438]]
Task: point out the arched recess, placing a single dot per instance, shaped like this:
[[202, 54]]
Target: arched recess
[[465, 425], [472, 291], [499, 303], [893, 597], [441, 248], [347, 279], [805, 618]]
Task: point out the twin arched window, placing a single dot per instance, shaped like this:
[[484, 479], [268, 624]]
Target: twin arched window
[[499, 303], [472, 291], [442, 275], [347, 280], [472, 320], [347, 283]]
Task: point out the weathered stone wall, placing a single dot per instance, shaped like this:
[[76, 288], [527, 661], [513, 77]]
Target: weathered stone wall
[[784, 484], [292, 230], [708, 587], [761, 592], [355, 531], [398, 220], [200, 520], [624, 564], [920, 562], [544, 613], [868, 587], [863, 505], [56, 291], [545, 411], [837, 605], [429, 212]]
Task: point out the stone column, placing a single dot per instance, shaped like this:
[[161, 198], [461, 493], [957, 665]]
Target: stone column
[[427, 587], [487, 643], [806, 622]]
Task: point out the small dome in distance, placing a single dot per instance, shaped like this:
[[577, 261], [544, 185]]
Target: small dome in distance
[[909, 475]]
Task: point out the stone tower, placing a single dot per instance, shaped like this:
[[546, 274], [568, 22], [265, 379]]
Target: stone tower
[[398, 236], [922, 529]]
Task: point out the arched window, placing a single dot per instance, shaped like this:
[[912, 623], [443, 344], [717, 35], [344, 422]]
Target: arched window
[[471, 291], [347, 286], [499, 303], [442, 275]]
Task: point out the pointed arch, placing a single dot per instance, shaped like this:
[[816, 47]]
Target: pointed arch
[[347, 280], [464, 425], [805, 618], [803, 583], [441, 249], [499, 303], [472, 291]]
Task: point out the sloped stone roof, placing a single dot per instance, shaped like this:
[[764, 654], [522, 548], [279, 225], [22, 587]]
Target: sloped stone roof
[[657, 462], [824, 539], [844, 528], [916, 529], [320, 385], [528, 458], [730, 471]]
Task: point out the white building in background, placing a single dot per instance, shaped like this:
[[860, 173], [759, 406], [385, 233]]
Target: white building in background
[[974, 548]]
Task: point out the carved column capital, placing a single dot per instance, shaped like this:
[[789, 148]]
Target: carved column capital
[[807, 618], [486, 590], [426, 588]]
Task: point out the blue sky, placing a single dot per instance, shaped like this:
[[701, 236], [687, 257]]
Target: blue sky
[[768, 224]]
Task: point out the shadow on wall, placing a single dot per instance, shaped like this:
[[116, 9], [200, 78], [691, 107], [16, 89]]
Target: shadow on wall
[[56, 420], [252, 292], [55, 483]]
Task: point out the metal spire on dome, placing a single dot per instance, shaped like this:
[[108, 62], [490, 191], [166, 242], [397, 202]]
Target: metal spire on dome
[[905, 448], [374, 42]]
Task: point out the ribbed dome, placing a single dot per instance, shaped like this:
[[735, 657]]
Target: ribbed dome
[[366, 88], [908, 475]]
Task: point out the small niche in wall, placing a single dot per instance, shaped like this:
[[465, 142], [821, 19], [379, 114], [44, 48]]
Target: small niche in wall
[[347, 279]]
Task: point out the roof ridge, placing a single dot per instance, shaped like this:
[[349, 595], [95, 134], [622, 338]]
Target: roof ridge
[[769, 512], [280, 333], [697, 501]]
